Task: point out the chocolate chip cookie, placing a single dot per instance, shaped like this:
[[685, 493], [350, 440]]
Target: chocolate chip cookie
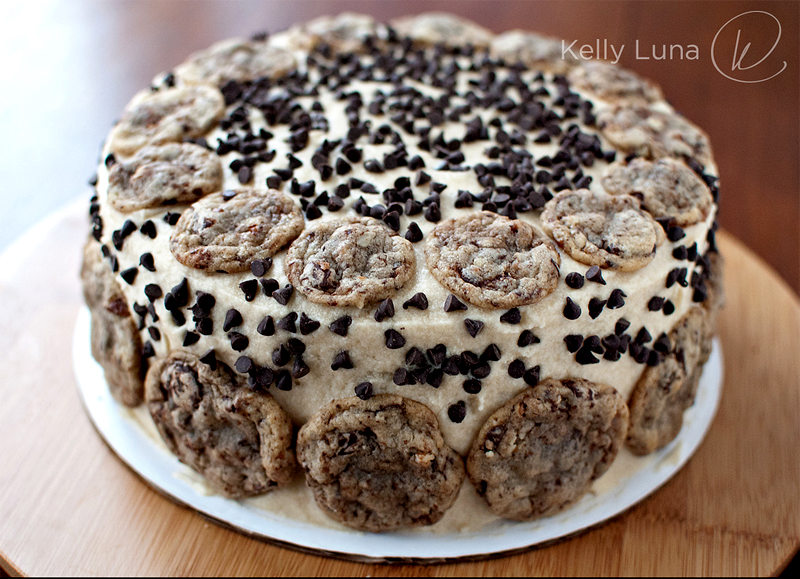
[[238, 439], [539, 453], [379, 464], [492, 261]]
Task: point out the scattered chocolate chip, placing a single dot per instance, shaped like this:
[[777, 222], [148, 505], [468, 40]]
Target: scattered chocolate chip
[[527, 338], [239, 341], [243, 364], [260, 267], [470, 386], [572, 311], [655, 303], [669, 308], [283, 381], [473, 326], [616, 299], [364, 390], [457, 412], [596, 307], [574, 280], [418, 300], [643, 336], [621, 325], [516, 369], [266, 327], [573, 342], [414, 233], [675, 233], [205, 326], [341, 325], [172, 218], [531, 376], [281, 356], [209, 359], [300, 368], [153, 291], [307, 325], [385, 310], [269, 286], [190, 338], [452, 304], [402, 377], [232, 319], [287, 323], [283, 295], [250, 289], [394, 339], [129, 275], [491, 353], [512, 316], [342, 361], [596, 275]]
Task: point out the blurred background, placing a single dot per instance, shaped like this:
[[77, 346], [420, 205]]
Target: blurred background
[[71, 66]]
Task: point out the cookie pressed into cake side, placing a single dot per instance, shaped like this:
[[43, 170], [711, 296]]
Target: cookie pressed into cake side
[[401, 258]]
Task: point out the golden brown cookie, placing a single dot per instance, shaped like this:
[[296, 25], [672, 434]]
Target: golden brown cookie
[[345, 32], [442, 28], [227, 231], [653, 134], [116, 344], [533, 50], [349, 262], [612, 83], [493, 261], [235, 59], [238, 439], [666, 188], [170, 115], [604, 230], [379, 464], [664, 391], [164, 175], [539, 453]]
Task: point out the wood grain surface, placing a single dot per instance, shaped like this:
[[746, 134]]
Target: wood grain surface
[[72, 65], [68, 505]]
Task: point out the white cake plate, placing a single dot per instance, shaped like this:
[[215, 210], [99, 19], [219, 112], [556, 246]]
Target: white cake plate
[[291, 518]]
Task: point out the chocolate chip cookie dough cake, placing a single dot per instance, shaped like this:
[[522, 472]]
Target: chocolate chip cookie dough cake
[[403, 258]]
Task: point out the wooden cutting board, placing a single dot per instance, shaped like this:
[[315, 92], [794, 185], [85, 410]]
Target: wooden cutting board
[[69, 506]]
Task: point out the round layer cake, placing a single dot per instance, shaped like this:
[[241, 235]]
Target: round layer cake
[[404, 257]]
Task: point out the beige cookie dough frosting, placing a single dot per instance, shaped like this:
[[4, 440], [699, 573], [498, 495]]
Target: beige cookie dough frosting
[[367, 121]]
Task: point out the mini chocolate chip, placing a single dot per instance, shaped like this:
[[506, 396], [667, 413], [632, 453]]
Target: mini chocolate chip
[[283, 295], [418, 300], [385, 310], [205, 326], [452, 304], [205, 301], [451, 365], [250, 289], [307, 325], [655, 303], [283, 381], [611, 342], [154, 333], [243, 364], [232, 319], [669, 308], [172, 218], [482, 370], [572, 311], [643, 336], [394, 339], [473, 326], [342, 361], [531, 376], [414, 233], [573, 342], [266, 327], [512, 316], [526, 338], [415, 357], [586, 357], [574, 280], [470, 387], [432, 212], [260, 267], [516, 369], [313, 212], [153, 291], [190, 338], [300, 368], [675, 233], [437, 354], [177, 317], [364, 390], [621, 325], [239, 341], [269, 285], [295, 346], [287, 323], [596, 307], [148, 351], [457, 412], [596, 275], [616, 299], [661, 344], [341, 325], [402, 377], [129, 275], [209, 359], [491, 353], [435, 377], [653, 358], [680, 252], [281, 356]]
